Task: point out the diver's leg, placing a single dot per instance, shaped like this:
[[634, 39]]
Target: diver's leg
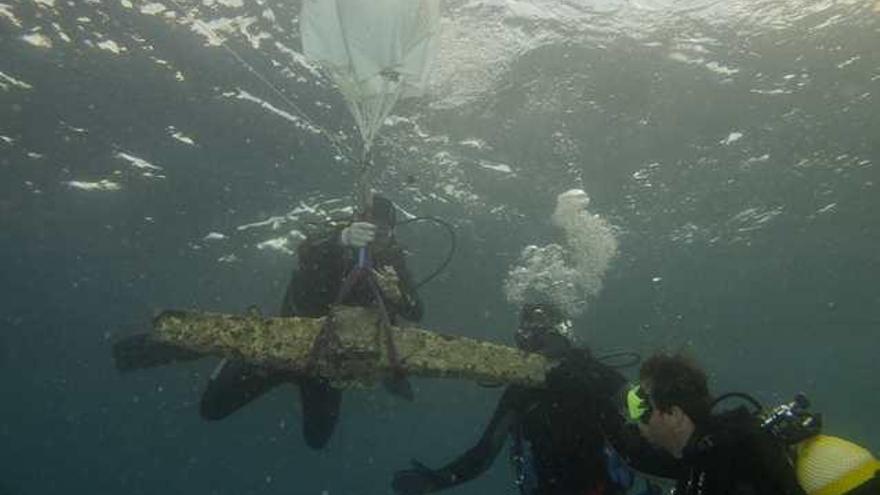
[[142, 351], [320, 404], [233, 385]]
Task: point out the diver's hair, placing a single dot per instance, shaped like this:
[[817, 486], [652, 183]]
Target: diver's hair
[[677, 380]]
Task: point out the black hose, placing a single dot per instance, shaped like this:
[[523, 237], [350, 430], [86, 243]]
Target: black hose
[[453, 245], [634, 358], [737, 395]]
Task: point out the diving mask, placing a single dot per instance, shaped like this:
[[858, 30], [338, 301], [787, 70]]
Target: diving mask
[[638, 405]]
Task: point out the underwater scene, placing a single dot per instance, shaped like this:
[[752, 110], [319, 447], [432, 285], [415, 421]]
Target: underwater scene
[[340, 247]]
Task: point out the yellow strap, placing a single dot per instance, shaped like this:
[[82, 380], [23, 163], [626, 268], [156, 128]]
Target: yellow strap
[[851, 480]]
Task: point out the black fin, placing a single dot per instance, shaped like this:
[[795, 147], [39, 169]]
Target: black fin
[[321, 403], [233, 385], [398, 386], [141, 352]]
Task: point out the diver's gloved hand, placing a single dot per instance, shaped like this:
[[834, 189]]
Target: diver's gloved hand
[[418, 480], [358, 234], [389, 284]]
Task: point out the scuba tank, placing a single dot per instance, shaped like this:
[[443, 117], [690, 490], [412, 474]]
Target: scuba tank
[[825, 465], [828, 465]]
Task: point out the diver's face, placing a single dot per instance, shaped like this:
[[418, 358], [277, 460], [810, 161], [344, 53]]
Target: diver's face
[[662, 429], [543, 332], [528, 339], [654, 429], [542, 341]]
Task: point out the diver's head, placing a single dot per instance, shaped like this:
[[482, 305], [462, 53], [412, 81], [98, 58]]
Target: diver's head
[[670, 401], [383, 215], [543, 328]]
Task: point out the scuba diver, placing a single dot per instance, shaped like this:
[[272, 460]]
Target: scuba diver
[[718, 453], [361, 264], [736, 451], [557, 443], [327, 273], [778, 450]]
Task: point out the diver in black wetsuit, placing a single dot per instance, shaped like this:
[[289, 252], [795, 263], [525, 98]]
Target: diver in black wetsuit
[[557, 443], [726, 453], [324, 264]]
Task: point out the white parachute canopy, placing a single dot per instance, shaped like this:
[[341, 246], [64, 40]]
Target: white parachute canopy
[[377, 51]]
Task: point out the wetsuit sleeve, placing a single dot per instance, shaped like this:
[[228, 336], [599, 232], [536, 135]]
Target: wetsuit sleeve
[[480, 457], [635, 451], [411, 306]]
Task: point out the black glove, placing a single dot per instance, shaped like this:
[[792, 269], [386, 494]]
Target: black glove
[[417, 481]]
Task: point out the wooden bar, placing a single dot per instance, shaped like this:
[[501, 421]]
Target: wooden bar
[[359, 359]]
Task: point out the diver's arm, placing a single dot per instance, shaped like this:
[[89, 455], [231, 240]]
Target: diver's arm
[[578, 374], [480, 457], [410, 307], [604, 384], [475, 461], [635, 451]]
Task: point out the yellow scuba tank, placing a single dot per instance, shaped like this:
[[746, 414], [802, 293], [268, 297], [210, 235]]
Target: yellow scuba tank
[[829, 465], [825, 465]]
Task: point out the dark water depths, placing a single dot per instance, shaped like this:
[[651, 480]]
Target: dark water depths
[[734, 145]]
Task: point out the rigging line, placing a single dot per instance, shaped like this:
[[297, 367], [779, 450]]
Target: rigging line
[[342, 149]]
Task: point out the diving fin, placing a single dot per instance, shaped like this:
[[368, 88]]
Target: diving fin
[[141, 351], [321, 403], [397, 385]]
